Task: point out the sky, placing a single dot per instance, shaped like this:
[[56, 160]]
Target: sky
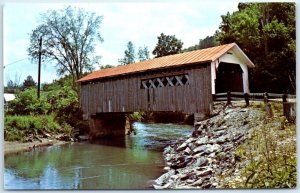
[[137, 21]]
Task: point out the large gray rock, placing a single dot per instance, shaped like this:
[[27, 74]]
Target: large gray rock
[[202, 140], [188, 151], [222, 139], [182, 147], [212, 148], [204, 173], [198, 182], [199, 149], [200, 162], [164, 178]]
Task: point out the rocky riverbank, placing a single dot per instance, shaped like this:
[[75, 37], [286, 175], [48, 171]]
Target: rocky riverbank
[[199, 160]]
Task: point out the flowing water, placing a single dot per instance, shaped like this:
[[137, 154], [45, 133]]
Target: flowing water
[[119, 163]]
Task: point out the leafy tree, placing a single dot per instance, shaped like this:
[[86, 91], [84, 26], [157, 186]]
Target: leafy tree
[[143, 53], [209, 41], [129, 55], [10, 84], [69, 37], [29, 82], [167, 45], [106, 66], [266, 33]]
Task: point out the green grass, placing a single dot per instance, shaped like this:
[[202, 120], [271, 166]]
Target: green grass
[[18, 127]]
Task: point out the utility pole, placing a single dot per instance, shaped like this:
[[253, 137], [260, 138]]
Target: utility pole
[[39, 73]]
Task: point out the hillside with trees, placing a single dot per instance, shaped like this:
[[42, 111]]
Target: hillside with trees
[[266, 32]]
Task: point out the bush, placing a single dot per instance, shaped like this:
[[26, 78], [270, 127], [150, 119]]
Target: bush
[[137, 116], [26, 103], [64, 103], [58, 99]]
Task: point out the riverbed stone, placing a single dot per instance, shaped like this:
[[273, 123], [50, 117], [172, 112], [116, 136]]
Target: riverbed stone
[[198, 182], [206, 172], [210, 151], [199, 149], [200, 162], [221, 139], [164, 177], [167, 150], [190, 140], [182, 146], [188, 151], [202, 140]]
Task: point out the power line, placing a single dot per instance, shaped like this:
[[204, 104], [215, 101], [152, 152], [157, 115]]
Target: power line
[[14, 62]]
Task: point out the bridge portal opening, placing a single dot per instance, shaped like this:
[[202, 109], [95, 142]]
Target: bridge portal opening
[[229, 78]]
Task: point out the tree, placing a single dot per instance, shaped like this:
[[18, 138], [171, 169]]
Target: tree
[[29, 82], [209, 41], [129, 55], [105, 66], [266, 32], [167, 45], [143, 53], [69, 38], [13, 86], [10, 84]]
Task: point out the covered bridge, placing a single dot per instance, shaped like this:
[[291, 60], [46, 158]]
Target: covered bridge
[[182, 82]]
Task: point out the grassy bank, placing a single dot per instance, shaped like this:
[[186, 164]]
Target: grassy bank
[[27, 128], [268, 158]]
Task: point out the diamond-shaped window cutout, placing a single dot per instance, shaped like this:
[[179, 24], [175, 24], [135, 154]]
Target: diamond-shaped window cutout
[[148, 84], [156, 83], [184, 80], [164, 81], [174, 81]]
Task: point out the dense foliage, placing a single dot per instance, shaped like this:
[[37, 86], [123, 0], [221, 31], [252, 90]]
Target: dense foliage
[[26, 103], [58, 101], [167, 45], [29, 82], [209, 41], [266, 32]]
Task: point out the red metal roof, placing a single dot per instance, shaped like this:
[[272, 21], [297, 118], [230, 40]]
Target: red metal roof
[[198, 56]]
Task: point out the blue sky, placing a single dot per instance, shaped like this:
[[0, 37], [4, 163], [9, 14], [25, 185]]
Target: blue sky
[[139, 22]]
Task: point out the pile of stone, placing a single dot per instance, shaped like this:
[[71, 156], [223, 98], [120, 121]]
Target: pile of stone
[[197, 161]]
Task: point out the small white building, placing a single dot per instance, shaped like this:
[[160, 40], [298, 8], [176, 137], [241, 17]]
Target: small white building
[[8, 97]]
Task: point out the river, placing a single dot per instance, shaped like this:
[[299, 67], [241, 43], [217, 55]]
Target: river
[[130, 162]]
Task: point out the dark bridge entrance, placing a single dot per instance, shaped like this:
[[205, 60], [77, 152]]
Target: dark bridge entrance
[[229, 78]]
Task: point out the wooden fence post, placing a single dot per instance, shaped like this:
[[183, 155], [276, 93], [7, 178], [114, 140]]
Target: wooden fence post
[[284, 97], [268, 108], [228, 99], [266, 99], [246, 95]]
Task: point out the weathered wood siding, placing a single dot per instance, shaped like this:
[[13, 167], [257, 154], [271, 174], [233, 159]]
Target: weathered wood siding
[[127, 93]]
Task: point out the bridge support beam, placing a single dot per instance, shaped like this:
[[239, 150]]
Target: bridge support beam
[[107, 125]]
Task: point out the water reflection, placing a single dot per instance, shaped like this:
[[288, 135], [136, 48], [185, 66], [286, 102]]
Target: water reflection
[[123, 163]]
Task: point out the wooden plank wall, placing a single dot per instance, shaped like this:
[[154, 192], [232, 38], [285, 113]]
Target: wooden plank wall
[[126, 95]]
